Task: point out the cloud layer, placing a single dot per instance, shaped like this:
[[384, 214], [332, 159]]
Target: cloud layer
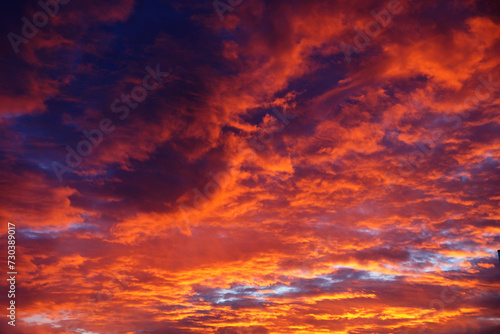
[[269, 184]]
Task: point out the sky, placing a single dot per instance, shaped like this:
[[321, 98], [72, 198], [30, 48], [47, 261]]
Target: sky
[[251, 166]]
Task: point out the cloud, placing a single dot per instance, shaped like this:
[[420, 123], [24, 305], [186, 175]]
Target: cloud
[[374, 209]]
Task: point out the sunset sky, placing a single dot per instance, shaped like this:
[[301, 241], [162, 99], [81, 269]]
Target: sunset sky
[[251, 166]]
